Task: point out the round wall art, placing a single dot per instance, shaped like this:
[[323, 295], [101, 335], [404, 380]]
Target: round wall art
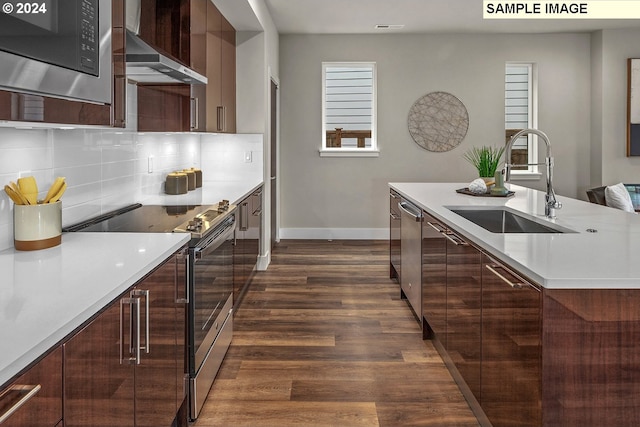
[[438, 121]]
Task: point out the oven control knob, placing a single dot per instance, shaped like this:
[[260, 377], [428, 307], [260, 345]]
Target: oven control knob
[[194, 224], [223, 205]]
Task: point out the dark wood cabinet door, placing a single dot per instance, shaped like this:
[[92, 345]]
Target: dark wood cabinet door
[[121, 371], [198, 35], [214, 71], [98, 378], [165, 108], [41, 387], [511, 348], [591, 354], [228, 77], [434, 279], [155, 375], [464, 299]]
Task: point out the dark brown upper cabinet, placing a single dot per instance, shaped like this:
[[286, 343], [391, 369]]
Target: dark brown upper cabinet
[[213, 52], [204, 40]]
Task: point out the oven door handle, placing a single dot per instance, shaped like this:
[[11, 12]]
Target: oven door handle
[[198, 253]]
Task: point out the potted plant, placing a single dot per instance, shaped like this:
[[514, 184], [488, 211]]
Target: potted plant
[[485, 159]]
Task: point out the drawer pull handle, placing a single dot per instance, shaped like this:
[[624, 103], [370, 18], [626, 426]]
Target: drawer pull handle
[[436, 227], [492, 268], [393, 216], [26, 392], [455, 239]]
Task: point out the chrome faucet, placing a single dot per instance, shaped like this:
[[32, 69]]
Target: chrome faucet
[[551, 204]]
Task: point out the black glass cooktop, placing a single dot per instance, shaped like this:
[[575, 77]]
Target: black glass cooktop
[[140, 219]]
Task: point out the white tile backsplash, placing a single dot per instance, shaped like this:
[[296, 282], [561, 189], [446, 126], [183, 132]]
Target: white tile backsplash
[[108, 169], [223, 157]]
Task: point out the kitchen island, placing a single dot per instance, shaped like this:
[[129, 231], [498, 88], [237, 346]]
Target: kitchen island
[[552, 339]]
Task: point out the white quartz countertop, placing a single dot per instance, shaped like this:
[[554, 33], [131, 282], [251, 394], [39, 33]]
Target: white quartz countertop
[[606, 259], [46, 294]]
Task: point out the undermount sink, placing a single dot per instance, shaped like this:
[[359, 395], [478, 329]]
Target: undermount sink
[[501, 220]]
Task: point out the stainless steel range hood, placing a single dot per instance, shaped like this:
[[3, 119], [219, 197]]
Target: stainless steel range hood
[[146, 65]]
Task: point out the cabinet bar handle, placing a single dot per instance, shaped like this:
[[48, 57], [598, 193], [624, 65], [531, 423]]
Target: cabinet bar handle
[[131, 302], [393, 196], [492, 267], [136, 349], [224, 118], [220, 118], [455, 239], [29, 390], [185, 260], [244, 216], [393, 216], [436, 227], [145, 294], [195, 119]]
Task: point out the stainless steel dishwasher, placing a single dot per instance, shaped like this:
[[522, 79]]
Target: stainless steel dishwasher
[[411, 255]]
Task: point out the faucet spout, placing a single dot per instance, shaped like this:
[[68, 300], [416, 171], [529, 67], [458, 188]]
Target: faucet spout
[[551, 204]]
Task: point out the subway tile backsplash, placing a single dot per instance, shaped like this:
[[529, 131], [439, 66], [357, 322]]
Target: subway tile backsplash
[[108, 169]]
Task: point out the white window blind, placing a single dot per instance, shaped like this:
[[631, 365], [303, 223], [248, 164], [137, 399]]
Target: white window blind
[[517, 94], [349, 106], [520, 104]]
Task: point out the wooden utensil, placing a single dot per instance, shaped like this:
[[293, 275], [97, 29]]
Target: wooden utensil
[[29, 189], [59, 194], [54, 189], [14, 187], [17, 198]]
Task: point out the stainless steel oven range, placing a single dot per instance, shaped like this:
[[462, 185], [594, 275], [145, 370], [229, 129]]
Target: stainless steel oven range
[[210, 278]]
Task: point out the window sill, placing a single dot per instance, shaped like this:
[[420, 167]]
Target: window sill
[[345, 152], [525, 176]]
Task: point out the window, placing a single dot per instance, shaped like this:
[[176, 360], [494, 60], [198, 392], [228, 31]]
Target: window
[[520, 113], [349, 109]]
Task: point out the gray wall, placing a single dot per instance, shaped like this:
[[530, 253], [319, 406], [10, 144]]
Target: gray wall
[[610, 164], [347, 197]]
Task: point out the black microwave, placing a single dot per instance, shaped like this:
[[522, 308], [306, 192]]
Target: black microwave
[[58, 48]]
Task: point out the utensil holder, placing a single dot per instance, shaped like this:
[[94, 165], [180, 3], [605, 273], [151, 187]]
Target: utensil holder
[[37, 226]]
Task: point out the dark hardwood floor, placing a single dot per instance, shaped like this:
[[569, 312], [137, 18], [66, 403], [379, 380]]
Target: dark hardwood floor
[[322, 338]]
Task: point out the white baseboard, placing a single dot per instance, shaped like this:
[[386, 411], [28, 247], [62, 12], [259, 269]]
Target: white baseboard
[[335, 233], [263, 261]]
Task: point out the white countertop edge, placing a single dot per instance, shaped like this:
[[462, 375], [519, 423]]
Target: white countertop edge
[[248, 193]]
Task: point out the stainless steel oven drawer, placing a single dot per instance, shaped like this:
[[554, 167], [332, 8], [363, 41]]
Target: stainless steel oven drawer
[[201, 383]]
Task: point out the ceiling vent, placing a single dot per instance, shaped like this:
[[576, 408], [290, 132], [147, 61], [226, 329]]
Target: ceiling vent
[[389, 27]]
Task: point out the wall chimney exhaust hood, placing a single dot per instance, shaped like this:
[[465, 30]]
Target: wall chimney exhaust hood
[[146, 65]]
